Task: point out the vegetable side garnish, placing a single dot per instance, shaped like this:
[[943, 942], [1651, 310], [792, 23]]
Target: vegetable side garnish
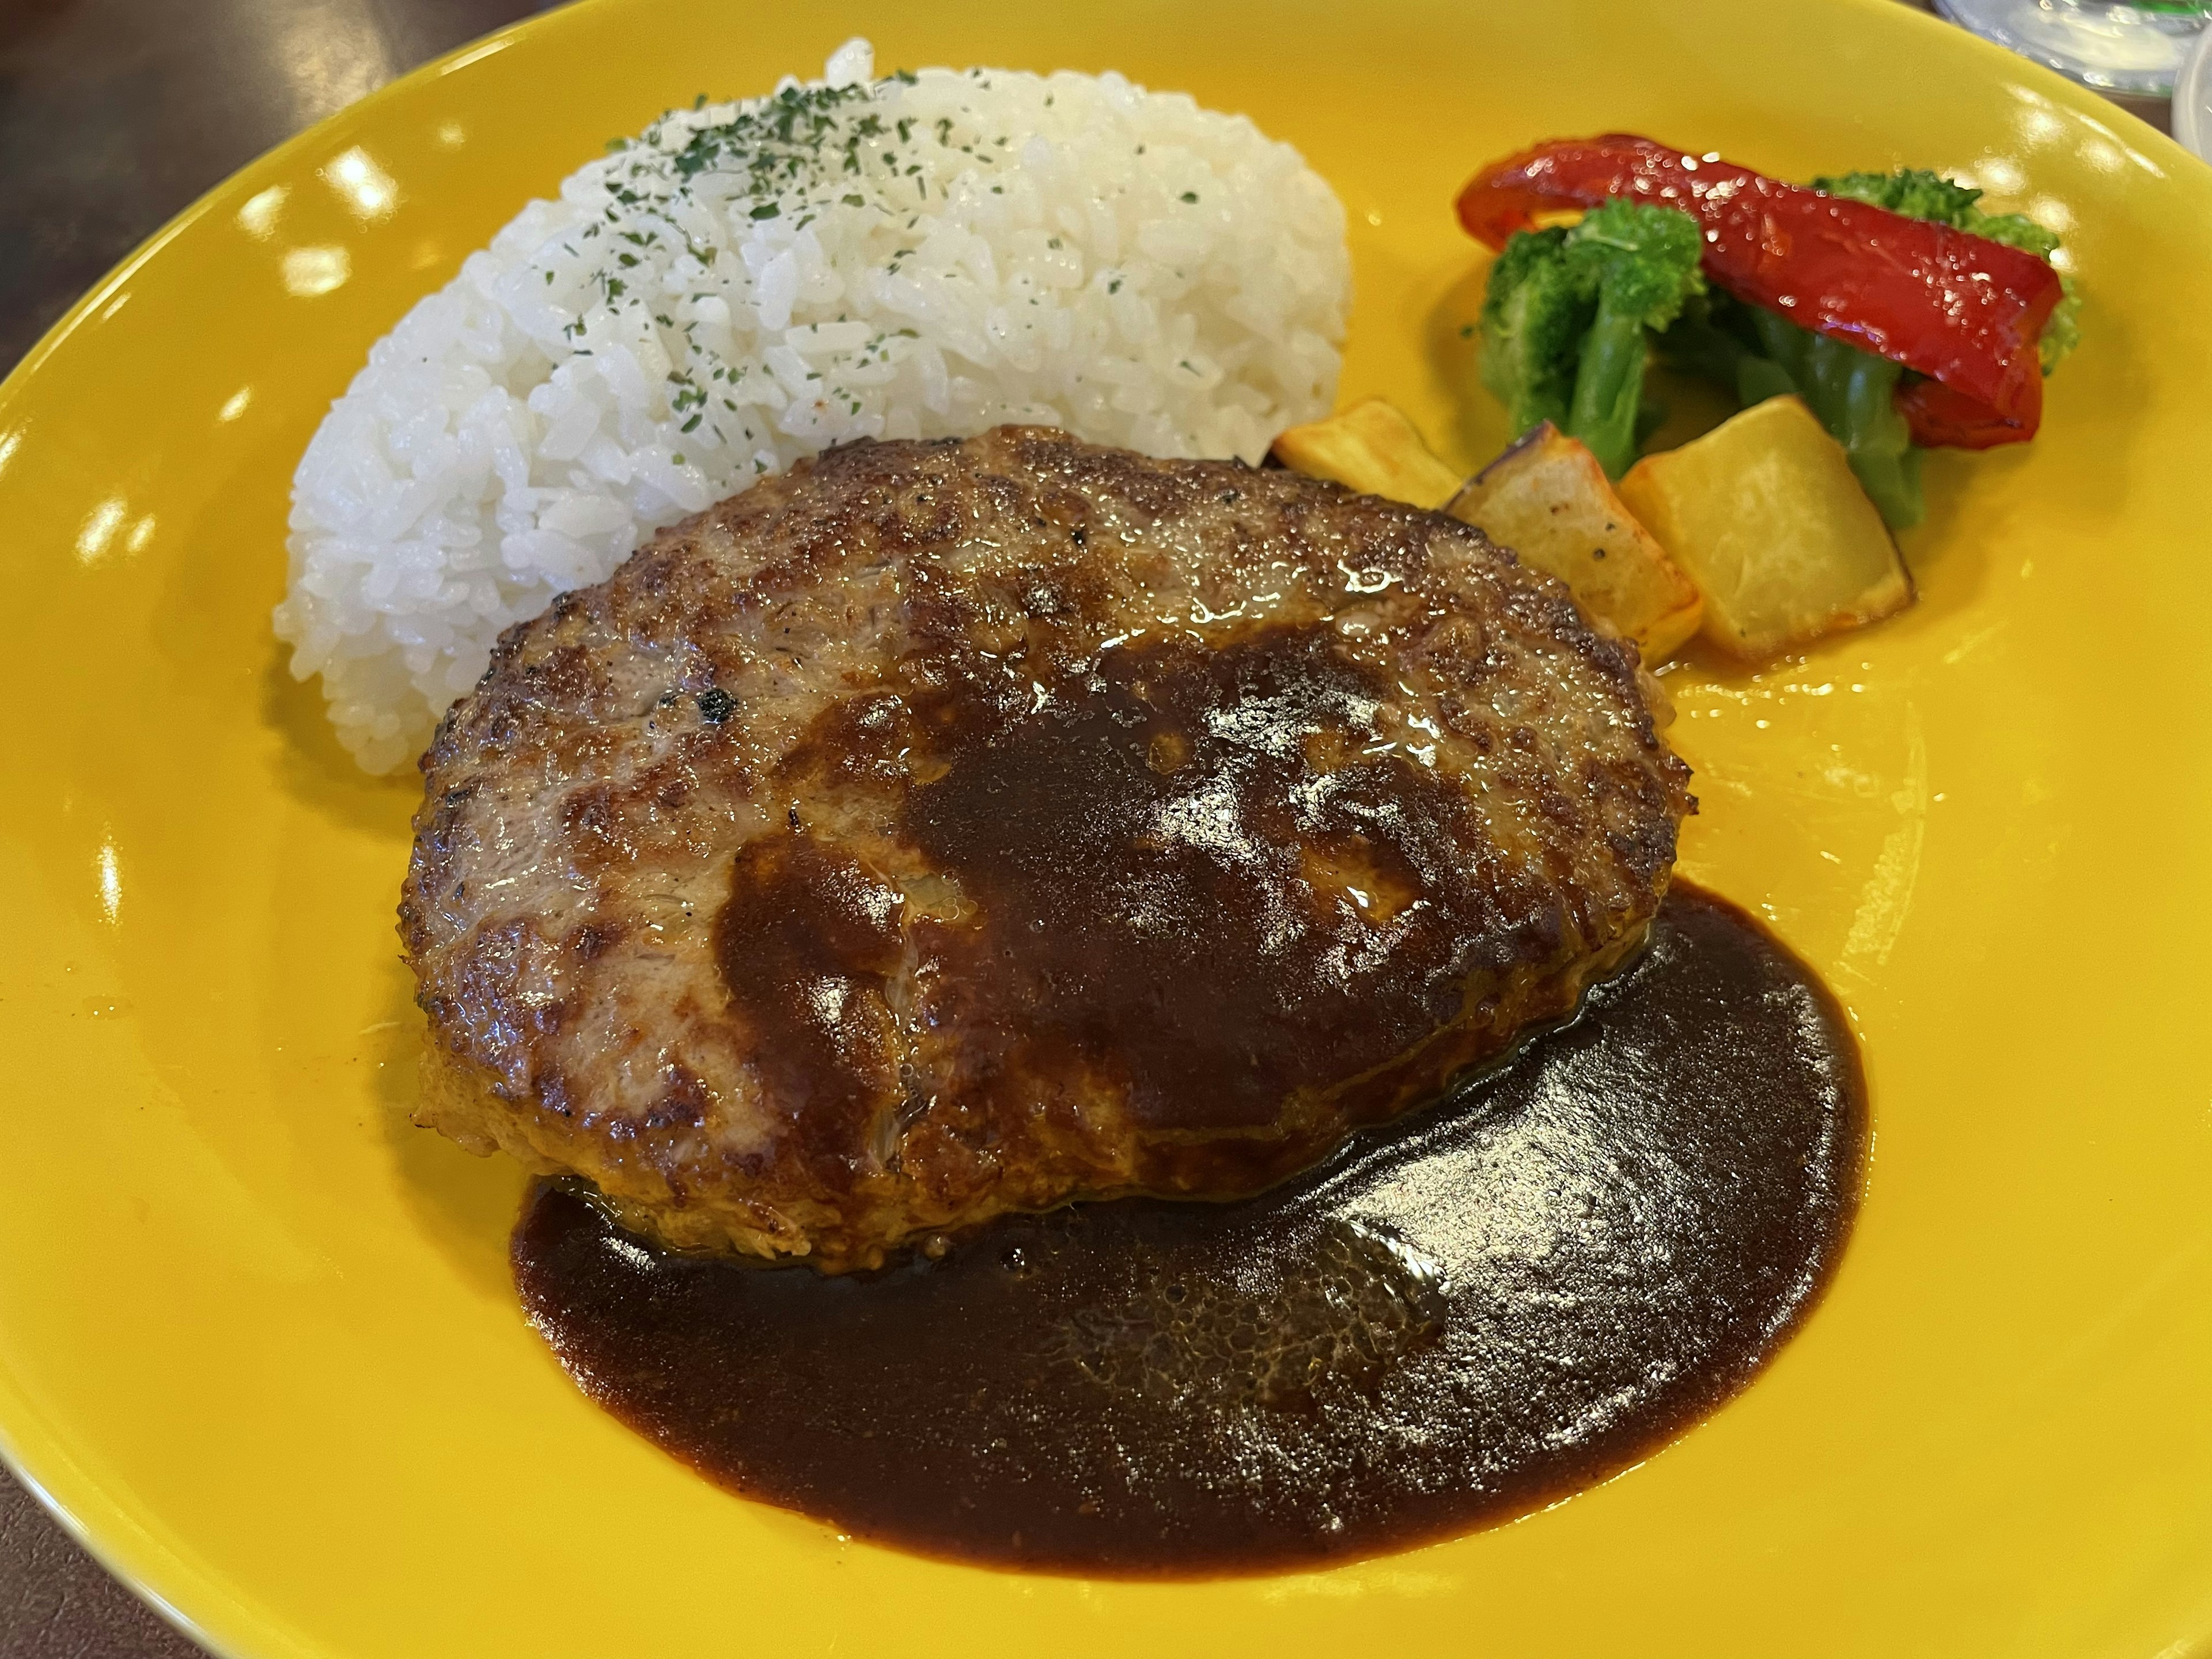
[[1564, 321], [1902, 314]]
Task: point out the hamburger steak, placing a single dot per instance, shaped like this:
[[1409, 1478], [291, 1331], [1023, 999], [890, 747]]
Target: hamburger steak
[[947, 829]]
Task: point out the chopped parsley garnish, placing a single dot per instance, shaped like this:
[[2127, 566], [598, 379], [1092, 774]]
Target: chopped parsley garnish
[[784, 161]]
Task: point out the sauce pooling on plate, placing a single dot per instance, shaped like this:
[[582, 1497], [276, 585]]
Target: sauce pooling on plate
[[1452, 1322]]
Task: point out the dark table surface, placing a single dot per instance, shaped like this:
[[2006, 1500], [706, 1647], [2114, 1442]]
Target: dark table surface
[[114, 114]]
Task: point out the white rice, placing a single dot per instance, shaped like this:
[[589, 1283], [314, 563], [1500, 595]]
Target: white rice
[[748, 284]]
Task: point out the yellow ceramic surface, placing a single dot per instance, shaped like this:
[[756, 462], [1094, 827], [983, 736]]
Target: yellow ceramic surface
[[256, 1337]]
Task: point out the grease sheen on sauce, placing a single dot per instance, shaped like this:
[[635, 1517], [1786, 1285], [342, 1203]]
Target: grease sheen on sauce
[[1452, 1322]]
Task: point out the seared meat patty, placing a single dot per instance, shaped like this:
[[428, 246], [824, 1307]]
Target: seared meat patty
[[946, 828]]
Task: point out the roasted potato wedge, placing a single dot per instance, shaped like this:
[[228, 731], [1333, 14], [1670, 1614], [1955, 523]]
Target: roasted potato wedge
[[1764, 515], [1373, 448], [1548, 500]]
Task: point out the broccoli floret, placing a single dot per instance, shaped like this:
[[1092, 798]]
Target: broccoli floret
[[1921, 194], [1532, 326], [1640, 264], [1916, 192], [1566, 318]]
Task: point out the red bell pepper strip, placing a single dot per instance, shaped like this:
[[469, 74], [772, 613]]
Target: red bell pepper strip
[[1964, 311]]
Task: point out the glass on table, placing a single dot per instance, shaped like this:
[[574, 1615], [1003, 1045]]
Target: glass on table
[[2192, 99], [2116, 46]]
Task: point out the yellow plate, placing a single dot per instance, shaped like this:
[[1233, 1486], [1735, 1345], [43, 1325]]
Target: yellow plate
[[257, 1336]]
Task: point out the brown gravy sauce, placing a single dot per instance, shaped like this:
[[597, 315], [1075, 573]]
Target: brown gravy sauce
[[1200, 882], [1452, 1322]]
